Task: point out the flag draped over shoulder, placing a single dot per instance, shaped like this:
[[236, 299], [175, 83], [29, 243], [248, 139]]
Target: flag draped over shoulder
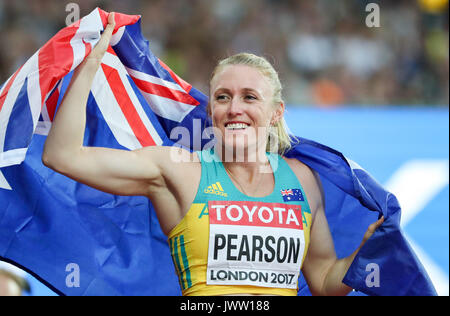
[[52, 226]]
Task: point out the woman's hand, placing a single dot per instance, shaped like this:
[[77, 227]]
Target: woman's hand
[[65, 139], [100, 49], [322, 270], [372, 228]]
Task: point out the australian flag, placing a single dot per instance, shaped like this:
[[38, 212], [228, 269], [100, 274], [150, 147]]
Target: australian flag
[[49, 223], [292, 195]]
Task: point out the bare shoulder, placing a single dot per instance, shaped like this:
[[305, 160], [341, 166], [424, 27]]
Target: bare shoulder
[[310, 182]]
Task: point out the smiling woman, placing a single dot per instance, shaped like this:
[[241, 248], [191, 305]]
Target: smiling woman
[[282, 197], [242, 110], [278, 139], [255, 253]]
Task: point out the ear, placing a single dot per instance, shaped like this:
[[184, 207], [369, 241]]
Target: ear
[[277, 115]]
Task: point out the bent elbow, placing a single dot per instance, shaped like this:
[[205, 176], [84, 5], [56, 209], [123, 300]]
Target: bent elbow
[[45, 160], [49, 160], [54, 161]]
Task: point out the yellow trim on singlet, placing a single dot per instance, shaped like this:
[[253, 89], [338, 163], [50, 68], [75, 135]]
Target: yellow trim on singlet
[[191, 265]]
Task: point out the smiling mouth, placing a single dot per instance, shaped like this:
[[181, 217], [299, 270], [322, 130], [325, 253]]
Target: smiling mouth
[[236, 126]]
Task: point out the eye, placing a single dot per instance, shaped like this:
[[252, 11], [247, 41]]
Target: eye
[[250, 97], [222, 97]]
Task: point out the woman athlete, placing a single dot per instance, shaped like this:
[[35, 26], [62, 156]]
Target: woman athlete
[[240, 220]]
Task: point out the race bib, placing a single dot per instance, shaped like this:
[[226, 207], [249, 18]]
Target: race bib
[[255, 243]]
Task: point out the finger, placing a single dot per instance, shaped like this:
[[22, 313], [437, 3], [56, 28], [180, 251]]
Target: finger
[[102, 45], [111, 23], [380, 221], [111, 18], [107, 33], [373, 227], [377, 223]]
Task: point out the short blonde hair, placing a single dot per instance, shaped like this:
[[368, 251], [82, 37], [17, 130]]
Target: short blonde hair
[[279, 132]]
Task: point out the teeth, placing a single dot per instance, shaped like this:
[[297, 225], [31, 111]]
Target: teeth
[[236, 126]]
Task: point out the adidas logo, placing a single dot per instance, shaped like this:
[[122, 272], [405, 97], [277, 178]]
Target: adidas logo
[[216, 189]]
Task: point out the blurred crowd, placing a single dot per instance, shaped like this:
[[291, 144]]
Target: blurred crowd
[[324, 51], [13, 281]]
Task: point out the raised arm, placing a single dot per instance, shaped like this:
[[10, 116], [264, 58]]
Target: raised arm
[[146, 171]]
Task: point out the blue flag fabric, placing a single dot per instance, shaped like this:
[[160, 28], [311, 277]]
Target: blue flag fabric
[[351, 194], [53, 226]]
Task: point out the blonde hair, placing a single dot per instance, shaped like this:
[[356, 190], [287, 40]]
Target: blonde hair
[[279, 132]]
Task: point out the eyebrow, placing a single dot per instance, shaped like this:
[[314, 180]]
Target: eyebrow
[[226, 90]]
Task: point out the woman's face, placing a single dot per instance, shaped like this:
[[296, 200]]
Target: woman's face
[[241, 107]]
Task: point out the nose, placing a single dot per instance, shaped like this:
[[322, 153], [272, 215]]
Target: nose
[[235, 107]]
